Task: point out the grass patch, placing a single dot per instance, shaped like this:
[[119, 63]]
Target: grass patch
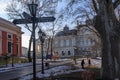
[[9, 60]]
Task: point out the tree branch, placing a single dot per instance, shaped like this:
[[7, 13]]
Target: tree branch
[[95, 6], [116, 3]]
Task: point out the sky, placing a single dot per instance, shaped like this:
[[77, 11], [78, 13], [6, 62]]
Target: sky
[[3, 5]]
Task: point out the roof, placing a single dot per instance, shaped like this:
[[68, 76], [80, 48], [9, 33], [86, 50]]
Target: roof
[[9, 25], [4, 21], [67, 32]]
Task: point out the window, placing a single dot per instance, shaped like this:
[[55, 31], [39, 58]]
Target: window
[[64, 43], [67, 42], [59, 43], [82, 42], [9, 36], [69, 53], [70, 42], [89, 42], [17, 39], [17, 49], [56, 43], [9, 47], [38, 48], [63, 53]]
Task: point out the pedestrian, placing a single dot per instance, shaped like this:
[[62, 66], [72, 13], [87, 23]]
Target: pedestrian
[[47, 65], [75, 60], [89, 62], [82, 63]]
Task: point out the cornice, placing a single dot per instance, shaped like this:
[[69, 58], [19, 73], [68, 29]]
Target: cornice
[[9, 25]]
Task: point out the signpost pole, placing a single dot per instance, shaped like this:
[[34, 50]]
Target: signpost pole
[[33, 19]]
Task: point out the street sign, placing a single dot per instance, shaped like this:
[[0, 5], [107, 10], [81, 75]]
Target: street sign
[[45, 19], [22, 21], [28, 21], [26, 15]]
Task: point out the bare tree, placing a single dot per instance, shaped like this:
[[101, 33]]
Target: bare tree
[[96, 47], [107, 25], [55, 27], [17, 7]]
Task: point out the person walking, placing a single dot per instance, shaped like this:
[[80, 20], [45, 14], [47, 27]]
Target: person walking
[[47, 65], [89, 62], [82, 63]]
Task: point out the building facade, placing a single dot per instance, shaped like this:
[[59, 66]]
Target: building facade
[[88, 43], [10, 39], [65, 42], [81, 41], [24, 52]]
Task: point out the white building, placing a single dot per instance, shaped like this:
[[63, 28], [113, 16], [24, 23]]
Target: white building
[[81, 41]]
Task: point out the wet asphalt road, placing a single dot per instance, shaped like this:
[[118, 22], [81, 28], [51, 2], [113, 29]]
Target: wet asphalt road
[[18, 72], [22, 71]]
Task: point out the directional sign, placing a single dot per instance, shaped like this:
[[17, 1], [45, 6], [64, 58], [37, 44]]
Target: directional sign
[[26, 15], [40, 19], [22, 21], [45, 19]]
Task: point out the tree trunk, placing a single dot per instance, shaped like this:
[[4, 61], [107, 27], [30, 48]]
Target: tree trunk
[[116, 56], [107, 19], [106, 59], [29, 53], [48, 47], [51, 47], [118, 60]]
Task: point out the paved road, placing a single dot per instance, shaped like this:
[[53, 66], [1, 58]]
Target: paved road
[[18, 72]]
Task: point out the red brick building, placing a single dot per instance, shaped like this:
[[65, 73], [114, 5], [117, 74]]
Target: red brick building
[[10, 38]]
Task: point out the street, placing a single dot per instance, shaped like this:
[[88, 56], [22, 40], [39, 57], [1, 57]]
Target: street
[[22, 71], [18, 72]]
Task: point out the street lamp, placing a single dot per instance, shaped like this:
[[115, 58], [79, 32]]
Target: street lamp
[[75, 53], [33, 19], [12, 55], [33, 9], [42, 36]]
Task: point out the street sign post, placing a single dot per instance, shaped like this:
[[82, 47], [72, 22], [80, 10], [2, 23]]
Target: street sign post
[[29, 20], [33, 19]]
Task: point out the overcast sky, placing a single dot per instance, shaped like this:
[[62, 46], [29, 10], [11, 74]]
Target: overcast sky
[[3, 4]]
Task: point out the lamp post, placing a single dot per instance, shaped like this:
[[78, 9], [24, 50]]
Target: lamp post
[[12, 55], [42, 39], [75, 54], [33, 19], [12, 60], [33, 9]]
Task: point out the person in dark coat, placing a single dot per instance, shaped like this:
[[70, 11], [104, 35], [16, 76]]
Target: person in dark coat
[[89, 62], [82, 63], [47, 65]]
